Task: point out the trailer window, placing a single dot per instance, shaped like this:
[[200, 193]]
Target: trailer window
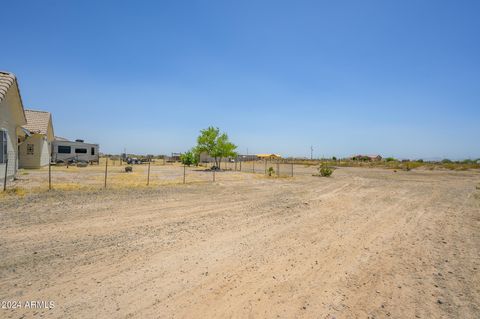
[[64, 149], [93, 151], [80, 151]]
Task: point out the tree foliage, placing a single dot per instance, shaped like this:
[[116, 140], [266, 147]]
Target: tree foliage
[[215, 144], [190, 158]]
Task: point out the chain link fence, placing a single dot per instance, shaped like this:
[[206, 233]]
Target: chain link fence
[[117, 174]]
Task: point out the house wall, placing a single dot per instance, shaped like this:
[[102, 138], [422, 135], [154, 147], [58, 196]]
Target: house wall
[[9, 123], [41, 152]]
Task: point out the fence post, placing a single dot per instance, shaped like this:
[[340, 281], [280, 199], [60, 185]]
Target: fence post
[[50, 175], [214, 175], [265, 166], [184, 168], [240, 164], [253, 166], [292, 168], [5, 177], [148, 174], [106, 166], [278, 168], [235, 165]]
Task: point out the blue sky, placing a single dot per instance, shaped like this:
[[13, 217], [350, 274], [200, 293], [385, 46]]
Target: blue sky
[[399, 78]]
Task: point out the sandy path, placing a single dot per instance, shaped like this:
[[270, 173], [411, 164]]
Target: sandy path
[[366, 243]]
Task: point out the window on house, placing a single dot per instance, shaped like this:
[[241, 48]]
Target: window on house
[[3, 146], [80, 151], [93, 151], [29, 149], [64, 149]]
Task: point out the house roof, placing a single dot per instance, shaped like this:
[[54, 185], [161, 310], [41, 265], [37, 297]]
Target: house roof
[[63, 139], [7, 80], [37, 121]]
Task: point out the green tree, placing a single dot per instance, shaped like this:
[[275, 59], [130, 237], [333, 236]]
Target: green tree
[[215, 144], [189, 158]]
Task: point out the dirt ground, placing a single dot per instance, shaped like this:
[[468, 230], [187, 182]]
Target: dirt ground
[[365, 243]]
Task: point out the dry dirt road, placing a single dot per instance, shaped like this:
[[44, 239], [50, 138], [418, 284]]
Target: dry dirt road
[[364, 243]]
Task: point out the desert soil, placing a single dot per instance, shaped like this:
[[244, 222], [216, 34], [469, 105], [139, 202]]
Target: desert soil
[[363, 243]]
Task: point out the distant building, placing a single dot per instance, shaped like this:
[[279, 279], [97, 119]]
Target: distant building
[[372, 158], [64, 151], [175, 157], [246, 158], [268, 156], [36, 148], [12, 117], [205, 158]]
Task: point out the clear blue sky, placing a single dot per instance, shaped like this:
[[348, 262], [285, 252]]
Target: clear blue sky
[[400, 78]]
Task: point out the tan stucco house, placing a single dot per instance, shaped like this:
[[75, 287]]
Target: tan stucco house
[[35, 150], [12, 117]]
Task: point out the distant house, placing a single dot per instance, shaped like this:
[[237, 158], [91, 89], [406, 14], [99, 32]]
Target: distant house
[[372, 158], [64, 150], [268, 156], [35, 150], [12, 117]]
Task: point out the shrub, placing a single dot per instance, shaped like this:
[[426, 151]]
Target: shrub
[[325, 171], [390, 159], [128, 169], [270, 171]]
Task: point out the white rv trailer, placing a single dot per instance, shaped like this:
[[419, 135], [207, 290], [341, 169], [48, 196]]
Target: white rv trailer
[[64, 151]]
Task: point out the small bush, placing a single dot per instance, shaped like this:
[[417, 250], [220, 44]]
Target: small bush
[[325, 171], [270, 171], [128, 169]]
